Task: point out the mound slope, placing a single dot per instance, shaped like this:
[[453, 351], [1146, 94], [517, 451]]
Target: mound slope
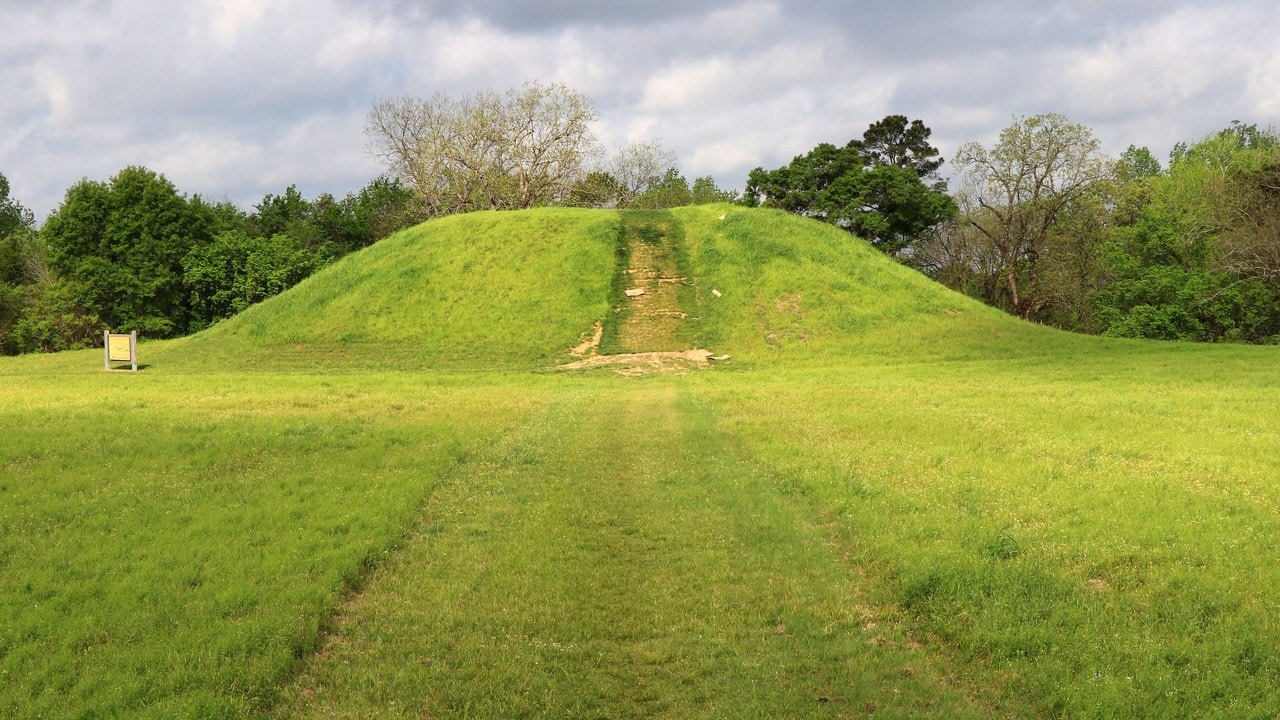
[[773, 287], [486, 290]]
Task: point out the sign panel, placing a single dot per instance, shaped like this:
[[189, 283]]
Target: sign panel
[[118, 348]]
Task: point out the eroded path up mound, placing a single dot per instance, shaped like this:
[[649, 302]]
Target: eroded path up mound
[[616, 557], [654, 294], [651, 326]]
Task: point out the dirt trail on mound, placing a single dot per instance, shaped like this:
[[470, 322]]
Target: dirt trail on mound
[[649, 332], [653, 314]]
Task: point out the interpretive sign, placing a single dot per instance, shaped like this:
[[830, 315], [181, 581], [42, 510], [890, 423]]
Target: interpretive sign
[[120, 348]]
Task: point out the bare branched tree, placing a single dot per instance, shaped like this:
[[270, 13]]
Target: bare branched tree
[[956, 255], [637, 166], [514, 150], [1251, 203], [1021, 187]]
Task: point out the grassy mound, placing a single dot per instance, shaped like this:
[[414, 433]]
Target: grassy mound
[[486, 290], [517, 290]]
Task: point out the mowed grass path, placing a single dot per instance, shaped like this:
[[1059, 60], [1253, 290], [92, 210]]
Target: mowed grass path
[[1102, 533], [618, 557]]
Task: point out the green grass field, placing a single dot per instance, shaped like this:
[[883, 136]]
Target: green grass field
[[371, 497]]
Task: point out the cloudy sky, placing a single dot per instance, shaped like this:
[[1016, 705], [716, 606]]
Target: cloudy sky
[[233, 99]]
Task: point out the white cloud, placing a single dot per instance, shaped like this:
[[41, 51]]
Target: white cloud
[[1156, 67], [1263, 90], [241, 97], [232, 15]]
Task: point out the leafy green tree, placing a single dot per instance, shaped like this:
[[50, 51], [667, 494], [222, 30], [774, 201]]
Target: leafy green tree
[[14, 218], [22, 271], [134, 254], [13, 258], [1072, 267], [597, 189], [295, 237], [37, 312], [798, 187], [54, 318], [888, 206], [1136, 163], [287, 214], [381, 208], [1164, 286], [1196, 251], [871, 187], [1249, 217], [896, 142], [331, 228], [122, 243], [218, 217], [235, 271], [705, 191], [21, 257], [672, 190], [20, 253], [11, 305]]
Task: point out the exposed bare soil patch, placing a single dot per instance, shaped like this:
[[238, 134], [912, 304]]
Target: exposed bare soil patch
[[650, 317], [646, 362]]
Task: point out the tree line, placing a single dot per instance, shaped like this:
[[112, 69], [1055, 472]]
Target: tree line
[[133, 253], [1121, 247], [1041, 224]]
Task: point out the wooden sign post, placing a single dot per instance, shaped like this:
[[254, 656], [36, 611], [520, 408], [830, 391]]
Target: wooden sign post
[[120, 348]]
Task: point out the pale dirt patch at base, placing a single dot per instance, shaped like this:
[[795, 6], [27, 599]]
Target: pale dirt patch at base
[[591, 344], [646, 362]]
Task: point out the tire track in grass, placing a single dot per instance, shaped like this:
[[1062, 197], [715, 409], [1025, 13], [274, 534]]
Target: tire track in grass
[[614, 559]]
